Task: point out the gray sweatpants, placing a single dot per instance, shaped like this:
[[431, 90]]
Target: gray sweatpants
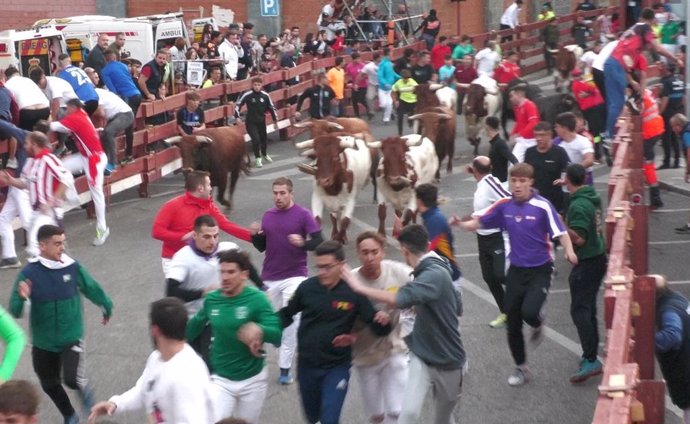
[[115, 126]]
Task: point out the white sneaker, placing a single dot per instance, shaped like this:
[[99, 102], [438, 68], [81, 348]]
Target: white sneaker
[[101, 237], [519, 377], [11, 163]]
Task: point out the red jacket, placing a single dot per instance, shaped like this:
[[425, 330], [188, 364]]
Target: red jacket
[[506, 72], [587, 94], [438, 55], [176, 218], [526, 117]]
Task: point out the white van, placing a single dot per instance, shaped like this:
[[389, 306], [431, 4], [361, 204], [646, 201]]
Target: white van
[[28, 48], [144, 35]]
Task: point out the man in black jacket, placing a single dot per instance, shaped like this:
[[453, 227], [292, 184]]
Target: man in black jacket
[[329, 310], [320, 97], [258, 102], [499, 153]]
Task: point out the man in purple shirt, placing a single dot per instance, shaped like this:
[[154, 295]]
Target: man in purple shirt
[[286, 233], [530, 221]]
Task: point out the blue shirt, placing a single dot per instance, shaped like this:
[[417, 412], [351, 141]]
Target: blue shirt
[[118, 80], [445, 73], [685, 137], [441, 238], [530, 226], [80, 82], [387, 76]]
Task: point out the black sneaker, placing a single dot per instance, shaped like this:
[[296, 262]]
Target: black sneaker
[[680, 230], [10, 263], [663, 166]]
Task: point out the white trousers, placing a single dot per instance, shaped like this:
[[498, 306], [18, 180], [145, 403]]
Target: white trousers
[[446, 385], [386, 103], [39, 219], [521, 146], [280, 292], [240, 399], [16, 205], [77, 163], [372, 90], [381, 384], [165, 262]]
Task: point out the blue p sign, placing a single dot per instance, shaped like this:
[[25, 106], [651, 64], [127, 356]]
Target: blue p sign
[[269, 8]]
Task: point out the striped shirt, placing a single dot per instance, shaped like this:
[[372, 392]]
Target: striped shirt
[[530, 226], [489, 190], [44, 173]]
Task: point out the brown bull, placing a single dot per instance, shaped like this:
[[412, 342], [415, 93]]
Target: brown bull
[[219, 151], [438, 124], [567, 58], [479, 103]]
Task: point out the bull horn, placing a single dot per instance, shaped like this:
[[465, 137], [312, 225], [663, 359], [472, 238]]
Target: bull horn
[[305, 124], [174, 140], [307, 152], [462, 85], [553, 50], [434, 87], [374, 144], [336, 126], [307, 144], [203, 139], [415, 117], [409, 140], [347, 142], [444, 116]]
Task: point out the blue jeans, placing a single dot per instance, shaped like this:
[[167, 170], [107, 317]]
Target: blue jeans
[[323, 392], [615, 82]]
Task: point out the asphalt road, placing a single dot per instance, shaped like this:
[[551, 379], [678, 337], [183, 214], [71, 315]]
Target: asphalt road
[[128, 267]]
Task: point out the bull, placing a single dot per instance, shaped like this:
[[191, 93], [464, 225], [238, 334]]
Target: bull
[[483, 99], [567, 58], [342, 167], [432, 95], [218, 151], [407, 161], [438, 125], [552, 106]]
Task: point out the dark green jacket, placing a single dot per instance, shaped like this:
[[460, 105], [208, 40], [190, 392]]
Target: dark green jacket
[[584, 217]]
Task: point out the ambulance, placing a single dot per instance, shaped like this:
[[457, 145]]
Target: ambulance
[[26, 49], [144, 34]]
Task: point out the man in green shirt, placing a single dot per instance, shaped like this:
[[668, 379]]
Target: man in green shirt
[[463, 49], [405, 98], [13, 336], [241, 319], [584, 223]]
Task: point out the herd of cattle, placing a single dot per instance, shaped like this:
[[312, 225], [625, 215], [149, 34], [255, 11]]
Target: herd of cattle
[[345, 155]]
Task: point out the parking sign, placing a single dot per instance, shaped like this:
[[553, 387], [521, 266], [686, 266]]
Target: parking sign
[[269, 7]]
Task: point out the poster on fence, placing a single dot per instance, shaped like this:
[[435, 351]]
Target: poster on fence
[[195, 73]]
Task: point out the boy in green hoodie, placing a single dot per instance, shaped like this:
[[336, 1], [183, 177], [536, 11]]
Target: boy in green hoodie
[[584, 223]]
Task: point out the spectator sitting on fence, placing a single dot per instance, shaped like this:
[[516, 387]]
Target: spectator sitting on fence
[[430, 28], [191, 117], [510, 19]]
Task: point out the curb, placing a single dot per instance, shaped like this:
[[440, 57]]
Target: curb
[[674, 188]]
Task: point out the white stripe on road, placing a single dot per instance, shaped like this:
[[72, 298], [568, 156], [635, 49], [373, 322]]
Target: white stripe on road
[[670, 210], [658, 243]]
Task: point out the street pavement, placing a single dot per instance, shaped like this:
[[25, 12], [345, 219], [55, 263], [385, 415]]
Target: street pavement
[[128, 267]]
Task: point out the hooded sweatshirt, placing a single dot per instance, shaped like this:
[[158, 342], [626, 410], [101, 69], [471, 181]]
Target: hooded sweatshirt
[[584, 217], [435, 338]]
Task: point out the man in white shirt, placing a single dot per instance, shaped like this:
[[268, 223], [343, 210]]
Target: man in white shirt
[[57, 90], [486, 59], [509, 19], [590, 56], [231, 51], [579, 148], [371, 72], [598, 66], [177, 53], [175, 386], [119, 117], [32, 103]]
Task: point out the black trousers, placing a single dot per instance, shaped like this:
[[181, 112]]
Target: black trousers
[[403, 108], [134, 102], [507, 37], [492, 260], [670, 142], [257, 132], [48, 366], [585, 280], [598, 77], [359, 96], [526, 291], [29, 117], [548, 57]]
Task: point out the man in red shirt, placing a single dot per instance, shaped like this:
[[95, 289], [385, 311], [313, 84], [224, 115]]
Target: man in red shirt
[[526, 117], [92, 159], [591, 104], [508, 69], [174, 222], [439, 52]]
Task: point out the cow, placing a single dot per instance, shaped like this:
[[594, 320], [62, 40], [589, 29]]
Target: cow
[[438, 124], [407, 162], [533, 92], [483, 99], [343, 163], [432, 95], [219, 151], [567, 58]]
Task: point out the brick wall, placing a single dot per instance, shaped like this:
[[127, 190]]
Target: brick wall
[[471, 13], [20, 14]]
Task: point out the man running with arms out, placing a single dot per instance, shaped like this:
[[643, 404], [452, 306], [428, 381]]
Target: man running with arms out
[[175, 385], [329, 310], [53, 283], [437, 355], [526, 117], [530, 221], [241, 320], [381, 362], [286, 233]]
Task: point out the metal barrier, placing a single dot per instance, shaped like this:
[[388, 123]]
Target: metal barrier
[[628, 392]]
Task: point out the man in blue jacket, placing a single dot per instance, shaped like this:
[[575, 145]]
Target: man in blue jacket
[[387, 77]]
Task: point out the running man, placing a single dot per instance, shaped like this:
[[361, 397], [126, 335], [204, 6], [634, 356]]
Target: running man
[[54, 283], [258, 102], [526, 117], [530, 221]]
